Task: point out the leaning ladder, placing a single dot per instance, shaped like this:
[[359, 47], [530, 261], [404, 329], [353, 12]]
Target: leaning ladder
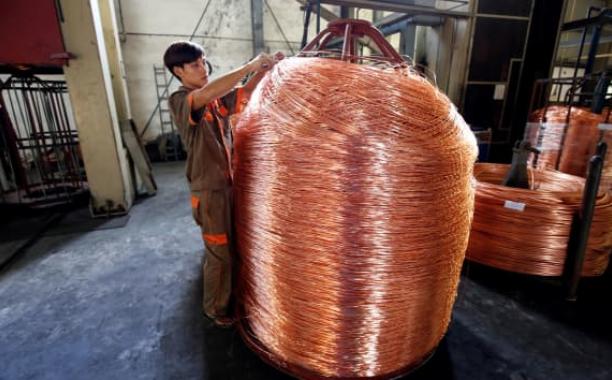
[[169, 146]]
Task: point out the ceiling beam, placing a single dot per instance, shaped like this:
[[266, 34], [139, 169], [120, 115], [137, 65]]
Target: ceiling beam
[[326, 14], [395, 7]]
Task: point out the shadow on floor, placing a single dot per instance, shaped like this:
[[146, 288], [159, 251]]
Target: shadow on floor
[[591, 313], [226, 356]]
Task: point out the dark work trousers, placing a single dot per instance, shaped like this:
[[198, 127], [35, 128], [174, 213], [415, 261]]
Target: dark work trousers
[[212, 212]]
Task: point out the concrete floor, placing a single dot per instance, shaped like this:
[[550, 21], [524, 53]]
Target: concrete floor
[[124, 303]]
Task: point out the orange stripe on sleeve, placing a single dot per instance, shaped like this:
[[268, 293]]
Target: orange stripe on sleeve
[[195, 201], [219, 239]]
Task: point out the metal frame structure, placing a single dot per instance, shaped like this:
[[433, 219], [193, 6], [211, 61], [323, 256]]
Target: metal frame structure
[[393, 6], [578, 94], [41, 156], [590, 23], [589, 90], [472, 30], [403, 21], [350, 31], [580, 234], [597, 23], [407, 11]]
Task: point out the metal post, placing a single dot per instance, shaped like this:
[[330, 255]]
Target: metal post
[[602, 149], [578, 245], [307, 13], [407, 37], [257, 26], [344, 12], [585, 30], [593, 50], [318, 16], [348, 41]]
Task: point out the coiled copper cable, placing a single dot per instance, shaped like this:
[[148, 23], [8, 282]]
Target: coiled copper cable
[[534, 240], [606, 136], [606, 174], [576, 143], [600, 238], [354, 197]]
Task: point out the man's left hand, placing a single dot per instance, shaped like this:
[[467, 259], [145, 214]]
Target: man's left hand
[[279, 56]]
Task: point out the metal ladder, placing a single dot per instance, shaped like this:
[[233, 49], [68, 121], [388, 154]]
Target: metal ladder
[[169, 142]]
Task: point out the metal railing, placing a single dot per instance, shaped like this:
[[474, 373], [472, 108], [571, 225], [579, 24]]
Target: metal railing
[[40, 159]]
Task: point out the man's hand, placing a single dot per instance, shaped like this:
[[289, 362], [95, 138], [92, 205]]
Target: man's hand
[[262, 62], [225, 83], [279, 56]]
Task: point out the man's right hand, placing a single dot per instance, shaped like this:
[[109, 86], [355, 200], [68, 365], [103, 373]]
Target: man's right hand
[[262, 62]]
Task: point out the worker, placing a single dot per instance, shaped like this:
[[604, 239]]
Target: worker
[[201, 111]]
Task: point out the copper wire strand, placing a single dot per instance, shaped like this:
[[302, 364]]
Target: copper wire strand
[[579, 144], [534, 241], [606, 175], [354, 197]]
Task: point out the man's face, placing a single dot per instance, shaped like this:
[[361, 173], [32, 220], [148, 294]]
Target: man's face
[[193, 74]]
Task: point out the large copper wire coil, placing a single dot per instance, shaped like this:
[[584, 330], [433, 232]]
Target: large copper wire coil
[[354, 198], [530, 235], [575, 141]]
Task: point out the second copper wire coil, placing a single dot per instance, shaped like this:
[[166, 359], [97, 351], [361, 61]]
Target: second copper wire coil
[[568, 144], [534, 240]]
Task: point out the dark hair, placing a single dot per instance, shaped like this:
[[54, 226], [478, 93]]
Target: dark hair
[[180, 53]]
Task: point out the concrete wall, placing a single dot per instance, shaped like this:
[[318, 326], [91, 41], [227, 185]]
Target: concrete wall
[[225, 32], [443, 50], [454, 81]]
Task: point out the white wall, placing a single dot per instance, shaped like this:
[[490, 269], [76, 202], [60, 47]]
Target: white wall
[[225, 32], [577, 9]]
